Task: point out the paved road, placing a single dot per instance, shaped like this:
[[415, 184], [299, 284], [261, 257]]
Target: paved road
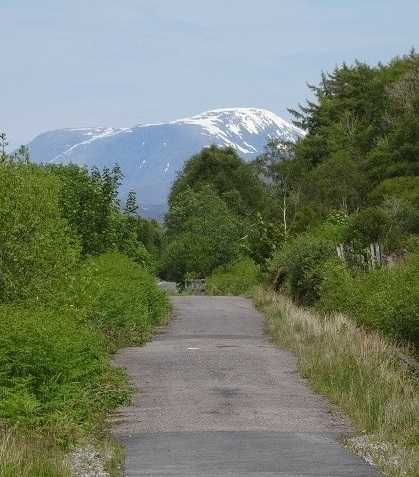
[[217, 399]]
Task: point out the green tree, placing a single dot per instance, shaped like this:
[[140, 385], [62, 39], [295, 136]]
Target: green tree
[[131, 204], [362, 129], [37, 246], [202, 234], [235, 181], [88, 201], [21, 155], [276, 168]]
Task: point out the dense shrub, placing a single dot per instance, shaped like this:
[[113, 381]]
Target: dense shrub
[[61, 313], [116, 296], [37, 247], [301, 260], [88, 201], [336, 291], [54, 365], [367, 226], [52, 370], [385, 298], [236, 278]]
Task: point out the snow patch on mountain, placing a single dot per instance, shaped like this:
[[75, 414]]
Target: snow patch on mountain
[[151, 155]]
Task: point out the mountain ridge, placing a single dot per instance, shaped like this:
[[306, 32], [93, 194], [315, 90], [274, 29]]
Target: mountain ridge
[[151, 154]]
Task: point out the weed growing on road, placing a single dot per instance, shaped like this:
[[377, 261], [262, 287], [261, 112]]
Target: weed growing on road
[[358, 370]]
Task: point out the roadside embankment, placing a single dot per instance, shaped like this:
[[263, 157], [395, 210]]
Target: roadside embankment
[[358, 370], [57, 383]]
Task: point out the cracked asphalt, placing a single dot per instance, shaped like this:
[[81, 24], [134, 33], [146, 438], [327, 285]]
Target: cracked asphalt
[[216, 398]]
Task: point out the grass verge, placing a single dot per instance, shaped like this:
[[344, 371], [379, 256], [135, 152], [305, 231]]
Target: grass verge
[[30, 456], [358, 370]]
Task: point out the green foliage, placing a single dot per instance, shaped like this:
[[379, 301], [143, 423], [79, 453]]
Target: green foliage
[[88, 202], [390, 225], [337, 292], [404, 189], [61, 313], [237, 278], [52, 370], [358, 162], [262, 238], [150, 233], [54, 359], [386, 299], [363, 138], [300, 261], [117, 297], [128, 242], [367, 226], [202, 234], [229, 176], [276, 167], [37, 246]]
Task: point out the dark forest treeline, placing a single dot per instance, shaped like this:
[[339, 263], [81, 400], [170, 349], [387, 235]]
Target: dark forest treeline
[[352, 181]]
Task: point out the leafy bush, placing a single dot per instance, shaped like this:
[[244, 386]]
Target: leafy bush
[[61, 316], [236, 278], [118, 297], [367, 226], [301, 260], [386, 298], [37, 247], [53, 370], [54, 365], [337, 291]]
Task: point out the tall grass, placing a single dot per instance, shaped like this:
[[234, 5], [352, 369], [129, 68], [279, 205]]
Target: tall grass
[[358, 370], [29, 456]]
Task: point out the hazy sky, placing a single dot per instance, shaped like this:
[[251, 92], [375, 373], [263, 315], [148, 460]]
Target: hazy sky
[[70, 63]]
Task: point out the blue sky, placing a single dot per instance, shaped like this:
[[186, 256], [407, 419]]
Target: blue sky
[[70, 63]]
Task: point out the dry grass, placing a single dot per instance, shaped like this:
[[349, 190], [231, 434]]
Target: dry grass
[[359, 371], [29, 456]]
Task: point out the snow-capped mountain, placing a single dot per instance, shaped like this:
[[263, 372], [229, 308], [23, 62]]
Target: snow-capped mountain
[[150, 155]]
